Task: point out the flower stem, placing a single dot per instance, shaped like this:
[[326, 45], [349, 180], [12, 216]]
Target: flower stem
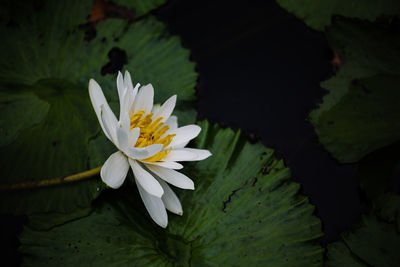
[[54, 181]]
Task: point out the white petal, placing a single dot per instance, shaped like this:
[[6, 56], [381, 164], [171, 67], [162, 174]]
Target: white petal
[[171, 201], [132, 99], [184, 134], [182, 145], [153, 149], [172, 122], [126, 97], [125, 123], [97, 98], [114, 170], [144, 99], [122, 136], [166, 109], [156, 108], [154, 206], [180, 155], [166, 164], [200, 154], [133, 136], [128, 81], [173, 177], [110, 123], [146, 180], [121, 89], [124, 118], [143, 152]]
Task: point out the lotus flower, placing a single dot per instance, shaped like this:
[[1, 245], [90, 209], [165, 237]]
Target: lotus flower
[[150, 142]]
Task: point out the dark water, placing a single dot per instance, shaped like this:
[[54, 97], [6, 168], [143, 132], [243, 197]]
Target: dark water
[[260, 70]]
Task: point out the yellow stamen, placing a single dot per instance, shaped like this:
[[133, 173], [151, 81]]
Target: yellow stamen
[[151, 132], [159, 156], [135, 118]]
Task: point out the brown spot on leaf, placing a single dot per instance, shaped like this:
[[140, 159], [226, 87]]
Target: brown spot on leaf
[[98, 11], [102, 10], [336, 61]]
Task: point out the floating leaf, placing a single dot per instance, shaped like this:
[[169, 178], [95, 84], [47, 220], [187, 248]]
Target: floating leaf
[[56, 147], [367, 49], [46, 221], [153, 57], [19, 112], [365, 119], [373, 243], [36, 49], [244, 211], [317, 14], [387, 208], [339, 255], [44, 42], [47, 60]]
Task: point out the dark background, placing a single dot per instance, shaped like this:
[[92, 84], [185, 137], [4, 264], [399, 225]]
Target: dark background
[[259, 70]]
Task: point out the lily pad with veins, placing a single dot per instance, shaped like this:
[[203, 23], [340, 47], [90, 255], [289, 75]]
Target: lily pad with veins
[[360, 112], [244, 211], [375, 241], [48, 57], [318, 14]]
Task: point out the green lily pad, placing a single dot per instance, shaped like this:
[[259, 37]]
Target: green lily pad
[[46, 221], [367, 49], [387, 208], [317, 14], [37, 49], [19, 112], [153, 57], [365, 119], [375, 242], [338, 254], [245, 211], [47, 61], [56, 147], [44, 41]]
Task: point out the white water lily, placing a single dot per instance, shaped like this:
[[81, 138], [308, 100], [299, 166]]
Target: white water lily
[[149, 141]]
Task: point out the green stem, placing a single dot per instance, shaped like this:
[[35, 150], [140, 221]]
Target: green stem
[[54, 181]]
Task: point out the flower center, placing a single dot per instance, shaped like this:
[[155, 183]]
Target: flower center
[[151, 132]]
